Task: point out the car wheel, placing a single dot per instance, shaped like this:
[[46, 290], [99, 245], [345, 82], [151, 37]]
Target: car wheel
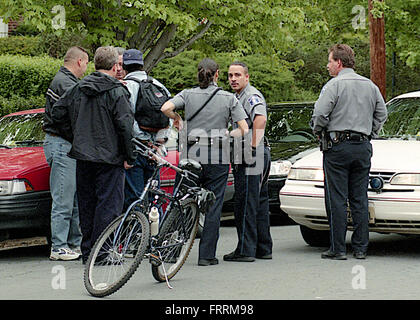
[[315, 238]]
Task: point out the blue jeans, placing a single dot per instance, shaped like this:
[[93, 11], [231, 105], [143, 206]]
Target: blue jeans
[[65, 229], [136, 179]]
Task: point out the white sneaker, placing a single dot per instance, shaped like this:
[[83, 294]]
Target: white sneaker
[[76, 250], [63, 254]]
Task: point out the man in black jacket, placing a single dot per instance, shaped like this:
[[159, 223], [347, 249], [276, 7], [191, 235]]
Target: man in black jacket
[[95, 115], [65, 229]]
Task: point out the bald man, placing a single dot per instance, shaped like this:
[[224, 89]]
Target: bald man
[[65, 231]]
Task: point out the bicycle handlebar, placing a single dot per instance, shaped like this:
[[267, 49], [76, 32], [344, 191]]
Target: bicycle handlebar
[[152, 155]]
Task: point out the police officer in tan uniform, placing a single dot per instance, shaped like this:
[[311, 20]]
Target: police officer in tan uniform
[[206, 130]]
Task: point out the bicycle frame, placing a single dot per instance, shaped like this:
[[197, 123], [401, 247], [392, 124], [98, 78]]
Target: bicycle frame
[[151, 188]]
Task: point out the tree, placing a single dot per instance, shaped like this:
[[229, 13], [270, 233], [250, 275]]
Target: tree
[[164, 28], [377, 47]]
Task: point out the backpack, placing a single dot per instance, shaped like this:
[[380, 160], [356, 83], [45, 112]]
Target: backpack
[[150, 99]]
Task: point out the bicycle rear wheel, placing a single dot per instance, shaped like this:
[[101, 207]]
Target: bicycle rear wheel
[[172, 233], [117, 254]]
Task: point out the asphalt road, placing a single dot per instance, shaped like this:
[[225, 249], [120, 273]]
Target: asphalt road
[[391, 272]]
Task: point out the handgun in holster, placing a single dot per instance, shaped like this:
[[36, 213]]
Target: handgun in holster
[[324, 141]]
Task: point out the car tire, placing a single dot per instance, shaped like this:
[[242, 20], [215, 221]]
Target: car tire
[[315, 238]]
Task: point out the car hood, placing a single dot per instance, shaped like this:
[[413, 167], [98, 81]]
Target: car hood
[[17, 161], [291, 151], [388, 156]]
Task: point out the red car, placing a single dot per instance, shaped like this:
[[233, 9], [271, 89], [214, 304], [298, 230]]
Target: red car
[[25, 200]]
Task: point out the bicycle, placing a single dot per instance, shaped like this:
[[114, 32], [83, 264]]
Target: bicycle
[[128, 239]]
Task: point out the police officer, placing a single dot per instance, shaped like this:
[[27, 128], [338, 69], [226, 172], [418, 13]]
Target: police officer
[[251, 177], [349, 111], [206, 131]]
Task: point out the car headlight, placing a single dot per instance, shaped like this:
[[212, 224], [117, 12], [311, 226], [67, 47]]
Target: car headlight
[[412, 179], [9, 187], [306, 174], [280, 168]]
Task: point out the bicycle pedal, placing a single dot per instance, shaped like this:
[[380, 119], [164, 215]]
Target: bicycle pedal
[[154, 260]]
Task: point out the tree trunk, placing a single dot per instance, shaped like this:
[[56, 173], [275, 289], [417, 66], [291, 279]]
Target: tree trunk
[[153, 57], [377, 50]]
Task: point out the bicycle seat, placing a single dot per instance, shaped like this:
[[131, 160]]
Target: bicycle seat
[[190, 165]]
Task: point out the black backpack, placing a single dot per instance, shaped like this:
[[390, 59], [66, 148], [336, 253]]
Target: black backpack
[[150, 99]]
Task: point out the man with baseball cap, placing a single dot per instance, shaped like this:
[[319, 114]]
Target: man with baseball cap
[[137, 176]]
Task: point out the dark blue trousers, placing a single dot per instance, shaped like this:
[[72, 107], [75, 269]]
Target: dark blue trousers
[[346, 170], [252, 216], [214, 178], [100, 194]]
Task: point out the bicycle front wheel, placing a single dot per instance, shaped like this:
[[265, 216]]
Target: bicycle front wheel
[[117, 254], [176, 238]]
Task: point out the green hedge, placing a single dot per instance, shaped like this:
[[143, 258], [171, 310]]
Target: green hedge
[[26, 76], [16, 103], [24, 81], [49, 44], [21, 45]]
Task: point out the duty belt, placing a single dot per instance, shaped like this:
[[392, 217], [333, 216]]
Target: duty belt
[[339, 136], [205, 141]]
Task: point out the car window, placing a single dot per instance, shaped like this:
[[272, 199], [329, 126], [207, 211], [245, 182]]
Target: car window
[[403, 119], [21, 130], [289, 122]]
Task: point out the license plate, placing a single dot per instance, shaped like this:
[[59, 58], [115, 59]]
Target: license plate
[[371, 207], [371, 212]]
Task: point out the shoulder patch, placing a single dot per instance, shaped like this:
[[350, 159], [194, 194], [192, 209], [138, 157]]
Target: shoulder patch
[[254, 100]]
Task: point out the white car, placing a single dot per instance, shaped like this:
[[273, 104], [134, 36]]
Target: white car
[[394, 191]]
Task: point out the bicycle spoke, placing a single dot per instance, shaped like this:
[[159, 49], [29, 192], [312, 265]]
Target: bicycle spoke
[[116, 254]]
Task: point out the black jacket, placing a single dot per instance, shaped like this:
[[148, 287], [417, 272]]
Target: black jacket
[[63, 80], [95, 116]]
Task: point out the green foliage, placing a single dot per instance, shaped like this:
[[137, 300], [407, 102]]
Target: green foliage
[[56, 45], [23, 45], [45, 44], [164, 28], [24, 81], [274, 78], [26, 76], [16, 103]]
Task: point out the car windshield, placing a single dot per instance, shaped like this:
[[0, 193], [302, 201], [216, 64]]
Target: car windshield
[[289, 122], [21, 130], [403, 119]]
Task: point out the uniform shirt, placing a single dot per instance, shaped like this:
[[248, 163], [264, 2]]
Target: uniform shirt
[[213, 120], [133, 88], [254, 104], [349, 102]]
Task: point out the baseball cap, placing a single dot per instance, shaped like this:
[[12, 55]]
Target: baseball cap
[[133, 56]]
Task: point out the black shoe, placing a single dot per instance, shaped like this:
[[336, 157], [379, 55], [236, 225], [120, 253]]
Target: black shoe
[[264, 257], [359, 255], [333, 256], [208, 262], [233, 256]]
